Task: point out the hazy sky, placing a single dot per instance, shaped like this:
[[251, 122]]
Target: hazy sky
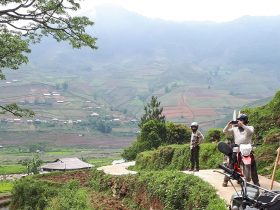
[[199, 10]]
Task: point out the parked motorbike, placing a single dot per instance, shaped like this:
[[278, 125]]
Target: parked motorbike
[[251, 197], [241, 157]]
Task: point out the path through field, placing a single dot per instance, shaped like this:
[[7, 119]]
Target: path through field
[[212, 177], [185, 110]]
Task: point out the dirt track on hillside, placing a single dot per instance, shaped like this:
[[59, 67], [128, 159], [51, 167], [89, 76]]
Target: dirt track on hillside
[[210, 176]]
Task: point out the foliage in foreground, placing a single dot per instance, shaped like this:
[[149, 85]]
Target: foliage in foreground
[[157, 189], [29, 193], [160, 190], [71, 196]]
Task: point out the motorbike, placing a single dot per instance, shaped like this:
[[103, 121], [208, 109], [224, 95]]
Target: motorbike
[[241, 157], [245, 159], [250, 197]]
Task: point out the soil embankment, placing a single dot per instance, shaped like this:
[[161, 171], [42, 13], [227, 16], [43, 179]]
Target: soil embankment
[[5, 201]]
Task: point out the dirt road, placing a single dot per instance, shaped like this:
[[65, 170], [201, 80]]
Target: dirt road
[[212, 177], [118, 169], [216, 180]]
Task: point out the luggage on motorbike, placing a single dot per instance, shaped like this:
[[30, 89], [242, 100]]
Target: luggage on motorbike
[[269, 200]]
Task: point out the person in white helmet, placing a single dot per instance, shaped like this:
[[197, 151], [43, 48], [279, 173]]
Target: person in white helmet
[[196, 139]]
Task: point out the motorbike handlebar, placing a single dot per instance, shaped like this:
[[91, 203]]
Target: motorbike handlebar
[[233, 174], [226, 169]]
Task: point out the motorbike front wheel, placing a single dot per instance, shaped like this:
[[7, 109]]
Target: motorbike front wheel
[[247, 172]]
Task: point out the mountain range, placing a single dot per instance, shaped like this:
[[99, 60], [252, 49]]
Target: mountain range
[[139, 57]]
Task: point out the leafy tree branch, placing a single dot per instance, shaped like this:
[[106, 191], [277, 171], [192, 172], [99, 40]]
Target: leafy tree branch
[[23, 22], [16, 110]]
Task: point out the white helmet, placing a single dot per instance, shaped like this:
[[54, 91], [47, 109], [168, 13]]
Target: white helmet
[[194, 124]]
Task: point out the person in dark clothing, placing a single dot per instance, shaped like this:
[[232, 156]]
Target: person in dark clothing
[[196, 139]]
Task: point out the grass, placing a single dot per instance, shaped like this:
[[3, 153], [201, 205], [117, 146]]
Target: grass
[[60, 153], [12, 169], [6, 186], [98, 162]]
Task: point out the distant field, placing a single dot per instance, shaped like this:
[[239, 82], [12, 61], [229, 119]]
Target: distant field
[[204, 105], [12, 169], [6, 186]]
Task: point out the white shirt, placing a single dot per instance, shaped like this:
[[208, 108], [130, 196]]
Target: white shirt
[[244, 137]]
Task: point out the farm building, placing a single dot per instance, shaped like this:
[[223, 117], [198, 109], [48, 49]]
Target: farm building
[[64, 164]]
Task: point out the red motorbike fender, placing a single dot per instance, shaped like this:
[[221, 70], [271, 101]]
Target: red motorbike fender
[[247, 160]]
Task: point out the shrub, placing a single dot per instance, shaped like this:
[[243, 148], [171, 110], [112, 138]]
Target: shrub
[[30, 194], [70, 197], [272, 136], [266, 117], [265, 156], [155, 134], [177, 190], [177, 134], [177, 157], [162, 190], [131, 152], [214, 135]]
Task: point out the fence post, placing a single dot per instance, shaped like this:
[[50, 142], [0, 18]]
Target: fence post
[[275, 166]]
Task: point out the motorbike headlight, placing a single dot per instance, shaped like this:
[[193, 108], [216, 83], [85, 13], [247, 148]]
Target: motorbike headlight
[[245, 149]]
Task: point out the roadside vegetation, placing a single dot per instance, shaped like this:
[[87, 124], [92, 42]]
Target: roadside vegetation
[[158, 190]]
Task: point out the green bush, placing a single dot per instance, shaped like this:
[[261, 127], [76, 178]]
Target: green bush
[[265, 118], [177, 190], [131, 152], [272, 136], [177, 134], [100, 181], [215, 135], [169, 189], [70, 197], [155, 134], [177, 157], [265, 156], [31, 194]]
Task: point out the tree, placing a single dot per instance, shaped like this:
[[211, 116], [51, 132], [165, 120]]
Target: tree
[[23, 22], [177, 134], [214, 135], [153, 111], [34, 164]]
